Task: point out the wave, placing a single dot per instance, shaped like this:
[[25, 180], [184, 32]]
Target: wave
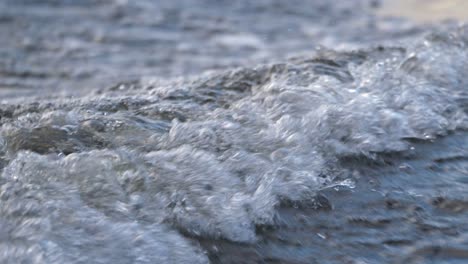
[[128, 174]]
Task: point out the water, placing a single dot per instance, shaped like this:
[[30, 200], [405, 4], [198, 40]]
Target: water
[[350, 153], [427, 11]]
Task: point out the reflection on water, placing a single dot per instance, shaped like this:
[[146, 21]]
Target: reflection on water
[[427, 10]]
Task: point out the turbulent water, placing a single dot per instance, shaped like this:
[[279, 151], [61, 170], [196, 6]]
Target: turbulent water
[[356, 155]]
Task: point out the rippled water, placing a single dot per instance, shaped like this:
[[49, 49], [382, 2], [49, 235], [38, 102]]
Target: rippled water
[[350, 154]]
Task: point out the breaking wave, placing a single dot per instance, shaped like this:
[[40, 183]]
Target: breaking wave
[[128, 174]]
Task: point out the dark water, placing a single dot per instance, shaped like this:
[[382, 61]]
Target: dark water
[[321, 134]]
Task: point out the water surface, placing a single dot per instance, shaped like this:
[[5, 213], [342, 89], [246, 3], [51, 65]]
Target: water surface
[[321, 133]]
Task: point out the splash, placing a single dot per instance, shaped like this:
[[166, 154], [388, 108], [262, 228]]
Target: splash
[[127, 175]]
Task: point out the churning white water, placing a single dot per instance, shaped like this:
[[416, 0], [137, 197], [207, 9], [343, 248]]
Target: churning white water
[[142, 171]]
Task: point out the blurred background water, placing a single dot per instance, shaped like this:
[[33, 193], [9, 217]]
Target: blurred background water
[[73, 46], [424, 11]]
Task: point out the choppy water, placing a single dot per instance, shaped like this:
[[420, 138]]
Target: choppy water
[[328, 156]]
